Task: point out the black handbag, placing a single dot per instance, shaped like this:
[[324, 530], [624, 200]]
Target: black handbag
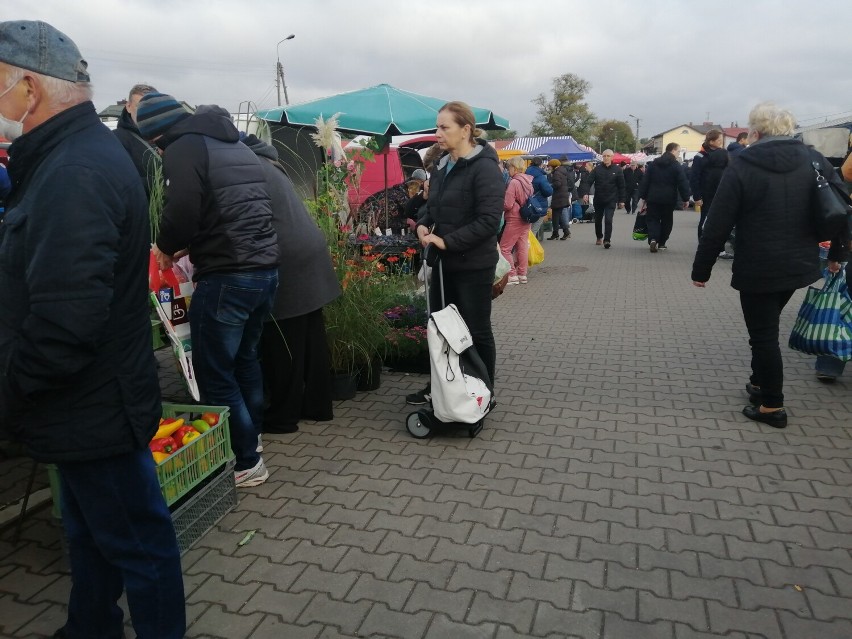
[[832, 206]]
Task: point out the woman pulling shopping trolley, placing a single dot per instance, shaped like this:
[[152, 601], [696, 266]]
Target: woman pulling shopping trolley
[[464, 206]]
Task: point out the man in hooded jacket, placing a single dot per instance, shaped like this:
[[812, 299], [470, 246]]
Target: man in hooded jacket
[[664, 180], [140, 151], [217, 206]]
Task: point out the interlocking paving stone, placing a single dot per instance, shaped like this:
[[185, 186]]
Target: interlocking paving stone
[[615, 493]]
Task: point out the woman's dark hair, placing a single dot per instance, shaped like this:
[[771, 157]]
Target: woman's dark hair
[[712, 135]]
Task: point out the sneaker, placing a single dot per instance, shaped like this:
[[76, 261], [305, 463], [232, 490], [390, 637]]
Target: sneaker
[[598, 242], [251, 476], [259, 448], [419, 398], [663, 247], [653, 246], [826, 378], [606, 244], [522, 279], [725, 256], [513, 279]]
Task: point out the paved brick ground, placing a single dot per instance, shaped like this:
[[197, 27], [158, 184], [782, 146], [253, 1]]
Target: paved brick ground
[[616, 491]]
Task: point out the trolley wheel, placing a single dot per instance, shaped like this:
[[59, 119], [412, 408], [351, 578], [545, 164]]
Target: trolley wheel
[[474, 430], [417, 426]]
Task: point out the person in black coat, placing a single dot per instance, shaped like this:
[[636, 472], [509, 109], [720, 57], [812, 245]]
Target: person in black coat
[[664, 180], [608, 181], [78, 384], [631, 184], [141, 152], [707, 167], [464, 207], [562, 181], [768, 193]]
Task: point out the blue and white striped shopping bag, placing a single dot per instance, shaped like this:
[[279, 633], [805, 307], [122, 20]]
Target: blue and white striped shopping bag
[[824, 324]]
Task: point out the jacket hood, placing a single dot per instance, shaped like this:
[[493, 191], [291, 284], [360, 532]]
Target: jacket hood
[[260, 148], [210, 120], [482, 150], [780, 154]]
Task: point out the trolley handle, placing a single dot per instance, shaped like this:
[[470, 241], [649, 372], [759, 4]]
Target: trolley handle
[[428, 250]]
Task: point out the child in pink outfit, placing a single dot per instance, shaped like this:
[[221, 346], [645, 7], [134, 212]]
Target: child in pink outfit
[[516, 230]]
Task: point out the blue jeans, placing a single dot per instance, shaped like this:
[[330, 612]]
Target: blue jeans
[[828, 365], [120, 536], [226, 317]]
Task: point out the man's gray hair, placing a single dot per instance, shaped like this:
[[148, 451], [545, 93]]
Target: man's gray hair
[[59, 94]]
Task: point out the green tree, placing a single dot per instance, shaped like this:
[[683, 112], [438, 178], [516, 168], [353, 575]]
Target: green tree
[[508, 134], [615, 135], [566, 111]]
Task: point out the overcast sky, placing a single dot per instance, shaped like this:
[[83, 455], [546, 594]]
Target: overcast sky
[[668, 62]]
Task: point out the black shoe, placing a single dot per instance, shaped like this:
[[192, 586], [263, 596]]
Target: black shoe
[[280, 429], [555, 236], [825, 378], [755, 395], [776, 419], [419, 398], [565, 236], [606, 244]]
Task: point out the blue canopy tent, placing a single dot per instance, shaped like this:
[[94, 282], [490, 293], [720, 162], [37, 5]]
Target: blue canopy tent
[[564, 149]]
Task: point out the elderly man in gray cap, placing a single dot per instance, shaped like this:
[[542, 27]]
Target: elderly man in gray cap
[[78, 379]]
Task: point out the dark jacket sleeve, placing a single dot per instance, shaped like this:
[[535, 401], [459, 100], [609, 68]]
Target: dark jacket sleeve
[[695, 176], [586, 183], [184, 170], [721, 220], [643, 185], [488, 192], [683, 186]]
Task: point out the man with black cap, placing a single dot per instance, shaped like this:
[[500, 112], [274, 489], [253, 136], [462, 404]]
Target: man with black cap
[[78, 379], [217, 205]]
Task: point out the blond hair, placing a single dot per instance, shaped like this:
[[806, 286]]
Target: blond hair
[[463, 115], [518, 163], [768, 119]]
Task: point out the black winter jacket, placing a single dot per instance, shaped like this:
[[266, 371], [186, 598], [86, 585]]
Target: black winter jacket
[[217, 203], [562, 181], [79, 379], [465, 205], [140, 151], [767, 192], [664, 180], [631, 180], [707, 168], [609, 185], [306, 277]]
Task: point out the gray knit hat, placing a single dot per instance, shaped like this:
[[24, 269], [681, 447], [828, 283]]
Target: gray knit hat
[[37, 46], [157, 113]]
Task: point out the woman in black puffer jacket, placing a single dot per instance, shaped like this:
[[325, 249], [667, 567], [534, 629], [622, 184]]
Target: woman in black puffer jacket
[[767, 192], [707, 168], [464, 206]]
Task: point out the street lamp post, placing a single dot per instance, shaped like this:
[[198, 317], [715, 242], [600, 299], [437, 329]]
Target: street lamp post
[[630, 115], [279, 71]]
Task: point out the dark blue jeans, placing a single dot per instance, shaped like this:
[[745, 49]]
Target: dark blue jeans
[[761, 312], [604, 213], [120, 536], [226, 317], [470, 291]]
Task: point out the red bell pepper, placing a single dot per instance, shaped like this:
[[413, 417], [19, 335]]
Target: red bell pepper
[[163, 445]]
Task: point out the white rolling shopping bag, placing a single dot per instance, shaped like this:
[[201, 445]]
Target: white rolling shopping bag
[[460, 385]]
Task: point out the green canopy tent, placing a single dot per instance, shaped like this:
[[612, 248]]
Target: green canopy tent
[[379, 110]]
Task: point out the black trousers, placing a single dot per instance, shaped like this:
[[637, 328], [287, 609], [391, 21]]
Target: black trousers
[[660, 219], [470, 291], [296, 371], [761, 312], [603, 221]]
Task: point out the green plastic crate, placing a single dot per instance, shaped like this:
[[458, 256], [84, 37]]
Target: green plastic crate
[[158, 336], [184, 469], [189, 466]]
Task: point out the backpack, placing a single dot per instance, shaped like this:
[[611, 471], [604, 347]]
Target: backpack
[[534, 208]]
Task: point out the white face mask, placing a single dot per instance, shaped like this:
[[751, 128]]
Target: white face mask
[[10, 129]]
